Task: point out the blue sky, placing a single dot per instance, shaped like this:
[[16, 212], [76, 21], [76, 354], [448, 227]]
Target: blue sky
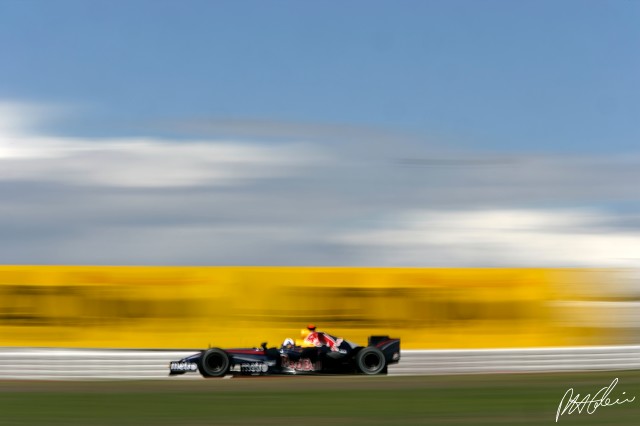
[[532, 76], [423, 133]]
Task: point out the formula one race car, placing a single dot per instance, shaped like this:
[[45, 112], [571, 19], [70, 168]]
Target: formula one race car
[[329, 355]]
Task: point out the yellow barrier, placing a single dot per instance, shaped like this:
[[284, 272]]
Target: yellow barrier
[[192, 307]]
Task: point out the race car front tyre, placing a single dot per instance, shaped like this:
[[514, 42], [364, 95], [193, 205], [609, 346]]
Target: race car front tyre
[[214, 363], [370, 360]]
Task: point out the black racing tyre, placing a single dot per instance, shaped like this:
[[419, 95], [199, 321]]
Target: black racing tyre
[[370, 360], [214, 363]]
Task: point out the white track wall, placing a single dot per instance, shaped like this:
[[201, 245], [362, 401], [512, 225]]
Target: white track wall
[[79, 364]]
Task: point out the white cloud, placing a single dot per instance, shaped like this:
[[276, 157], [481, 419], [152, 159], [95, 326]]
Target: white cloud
[[139, 162], [18, 117], [349, 201], [536, 238]]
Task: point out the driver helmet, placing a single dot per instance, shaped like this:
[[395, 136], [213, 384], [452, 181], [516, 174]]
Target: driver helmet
[[288, 342]]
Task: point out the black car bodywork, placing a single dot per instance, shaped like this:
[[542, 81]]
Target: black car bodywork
[[347, 358]]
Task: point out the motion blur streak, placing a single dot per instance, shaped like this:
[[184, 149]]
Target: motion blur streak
[[192, 307]]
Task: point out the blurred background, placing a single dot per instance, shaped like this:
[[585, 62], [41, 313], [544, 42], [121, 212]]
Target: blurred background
[[461, 174], [429, 308]]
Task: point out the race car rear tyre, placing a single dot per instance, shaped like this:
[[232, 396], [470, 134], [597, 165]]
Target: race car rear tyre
[[214, 363], [370, 360]]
